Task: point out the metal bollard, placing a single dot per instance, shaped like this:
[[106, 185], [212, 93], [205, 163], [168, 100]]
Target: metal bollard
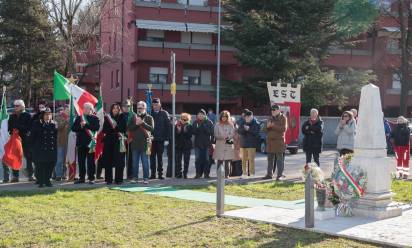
[[220, 191], [309, 203]]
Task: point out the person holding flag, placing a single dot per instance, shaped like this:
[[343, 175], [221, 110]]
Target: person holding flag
[[114, 129], [86, 126], [20, 120]]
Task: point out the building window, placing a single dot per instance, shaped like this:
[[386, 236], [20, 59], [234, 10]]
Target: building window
[[111, 82], [392, 45], [396, 81], [197, 77], [158, 75], [155, 35], [193, 2], [117, 78], [196, 38]]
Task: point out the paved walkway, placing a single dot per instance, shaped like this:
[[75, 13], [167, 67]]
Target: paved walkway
[[395, 231]]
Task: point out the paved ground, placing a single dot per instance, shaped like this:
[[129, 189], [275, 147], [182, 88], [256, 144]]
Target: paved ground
[[394, 231], [293, 167]]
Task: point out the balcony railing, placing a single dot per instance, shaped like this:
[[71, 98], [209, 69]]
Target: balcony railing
[[159, 4], [177, 45], [179, 87]]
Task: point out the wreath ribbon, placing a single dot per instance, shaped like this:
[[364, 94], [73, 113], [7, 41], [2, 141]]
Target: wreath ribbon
[[358, 189]]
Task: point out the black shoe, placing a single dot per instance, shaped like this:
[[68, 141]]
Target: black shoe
[[14, 180], [91, 182], [207, 176], [49, 185], [108, 183], [152, 177], [161, 178], [99, 177], [185, 176], [5, 181], [58, 179], [197, 177], [31, 179], [267, 177], [79, 181], [41, 185], [179, 176], [119, 183]]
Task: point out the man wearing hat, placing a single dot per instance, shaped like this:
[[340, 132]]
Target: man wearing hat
[[275, 128], [44, 135], [161, 134], [21, 120], [203, 131], [249, 136]]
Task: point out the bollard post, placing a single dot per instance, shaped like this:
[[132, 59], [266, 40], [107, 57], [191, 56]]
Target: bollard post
[[309, 203], [220, 192]]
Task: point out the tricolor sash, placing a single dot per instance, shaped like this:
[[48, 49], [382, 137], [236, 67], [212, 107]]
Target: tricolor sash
[[358, 190], [92, 135]]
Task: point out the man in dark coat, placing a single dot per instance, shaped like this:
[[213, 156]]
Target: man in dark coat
[[202, 129], [44, 136], [161, 134], [86, 126], [249, 137], [21, 120], [312, 130], [127, 114]]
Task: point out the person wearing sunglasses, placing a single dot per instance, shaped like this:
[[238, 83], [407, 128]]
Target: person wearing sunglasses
[[21, 121], [346, 132]]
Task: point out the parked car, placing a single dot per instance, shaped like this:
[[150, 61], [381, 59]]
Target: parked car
[[292, 147]]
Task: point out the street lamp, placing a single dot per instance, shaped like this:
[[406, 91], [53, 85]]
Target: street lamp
[[218, 60]]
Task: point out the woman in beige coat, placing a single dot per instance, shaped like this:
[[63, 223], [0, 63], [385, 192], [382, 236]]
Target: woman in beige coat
[[224, 131]]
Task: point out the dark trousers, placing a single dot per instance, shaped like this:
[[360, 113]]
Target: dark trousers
[[185, 155], [202, 162], [227, 166], [118, 164], [29, 161], [6, 173], [129, 161], [100, 167], [315, 156], [276, 161], [157, 153], [44, 172], [83, 155], [345, 151]]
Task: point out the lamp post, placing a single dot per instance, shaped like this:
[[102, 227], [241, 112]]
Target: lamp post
[[218, 59]]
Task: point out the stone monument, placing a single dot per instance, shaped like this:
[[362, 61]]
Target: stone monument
[[370, 155]]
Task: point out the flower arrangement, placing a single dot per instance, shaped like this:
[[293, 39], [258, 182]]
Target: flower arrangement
[[348, 184]]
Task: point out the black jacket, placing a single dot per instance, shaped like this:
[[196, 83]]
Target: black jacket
[[184, 138], [111, 135], [312, 136], [249, 138], [203, 132], [44, 138], [83, 139], [23, 123], [161, 125], [401, 134]]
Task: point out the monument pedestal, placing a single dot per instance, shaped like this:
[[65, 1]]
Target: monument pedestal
[[370, 155], [329, 213]]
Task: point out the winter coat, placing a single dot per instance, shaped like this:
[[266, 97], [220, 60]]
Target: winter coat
[[184, 138], [23, 123], [112, 134], [249, 138], [140, 133], [346, 136], [44, 136], [161, 125], [401, 135], [236, 143], [312, 136], [62, 130], [83, 138], [224, 151], [275, 139], [203, 132]]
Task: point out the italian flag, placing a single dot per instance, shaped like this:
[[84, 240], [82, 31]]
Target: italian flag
[[99, 139], [11, 149], [64, 88], [71, 145]]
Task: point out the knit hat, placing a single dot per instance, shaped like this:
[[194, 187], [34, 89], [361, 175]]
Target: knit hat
[[202, 111]]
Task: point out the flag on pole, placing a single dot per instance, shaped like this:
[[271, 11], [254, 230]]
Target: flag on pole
[[71, 144], [61, 91], [64, 87], [4, 129], [11, 151], [99, 139]]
